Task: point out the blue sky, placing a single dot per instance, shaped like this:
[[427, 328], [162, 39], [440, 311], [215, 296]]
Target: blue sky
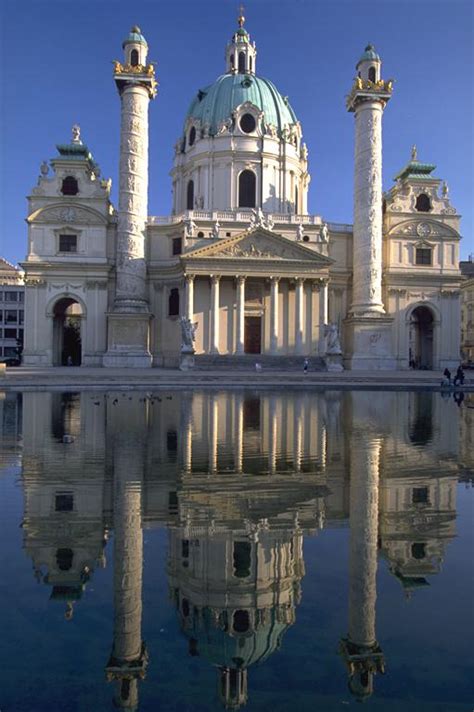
[[57, 70]]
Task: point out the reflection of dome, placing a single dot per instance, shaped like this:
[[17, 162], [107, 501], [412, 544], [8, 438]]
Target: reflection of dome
[[210, 637], [215, 103]]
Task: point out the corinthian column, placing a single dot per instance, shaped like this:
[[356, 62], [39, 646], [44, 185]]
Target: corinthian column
[[215, 279], [240, 314], [299, 295], [274, 318]]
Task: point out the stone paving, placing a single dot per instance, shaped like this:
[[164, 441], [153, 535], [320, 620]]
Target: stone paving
[[83, 378]]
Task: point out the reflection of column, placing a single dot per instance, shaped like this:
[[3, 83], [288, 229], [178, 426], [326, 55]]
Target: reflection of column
[[323, 314], [360, 649], [239, 346], [274, 314], [129, 658], [297, 433], [187, 430], [238, 431], [272, 434], [299, 294], [215, 313], [213, 432], [189, 297]]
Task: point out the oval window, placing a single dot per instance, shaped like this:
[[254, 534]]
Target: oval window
[[248, 123], [192, 136]]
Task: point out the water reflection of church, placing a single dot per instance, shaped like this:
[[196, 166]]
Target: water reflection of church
[[238, 479]]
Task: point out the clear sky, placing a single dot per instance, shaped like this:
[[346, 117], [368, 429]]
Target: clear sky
[[56, 69]]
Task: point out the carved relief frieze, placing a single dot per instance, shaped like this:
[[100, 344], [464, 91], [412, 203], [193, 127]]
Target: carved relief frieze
[[68, 214]]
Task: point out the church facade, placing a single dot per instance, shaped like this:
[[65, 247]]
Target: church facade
[[240, 258]]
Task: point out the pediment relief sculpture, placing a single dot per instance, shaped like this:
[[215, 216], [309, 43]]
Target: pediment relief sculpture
[[423, 228], [67, 214]]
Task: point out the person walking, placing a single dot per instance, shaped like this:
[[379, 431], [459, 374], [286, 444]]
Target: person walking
[[305, 365], [459, 377], [447, 375]]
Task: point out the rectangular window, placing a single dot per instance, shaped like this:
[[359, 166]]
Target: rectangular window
[[423, 256], [420, 495], [177, 246], [10, 351], [64, 502], [21, 315], [1, 333], [11, 316], [1, 315], [10, 296], [68, 243], [21, 297], [10, 334]]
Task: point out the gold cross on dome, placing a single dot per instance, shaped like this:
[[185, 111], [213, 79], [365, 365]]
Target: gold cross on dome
[[241, 18]]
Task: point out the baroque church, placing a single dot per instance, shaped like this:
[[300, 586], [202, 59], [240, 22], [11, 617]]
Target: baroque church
[[239, 271]]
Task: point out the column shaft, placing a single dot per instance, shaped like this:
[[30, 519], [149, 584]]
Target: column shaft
[[189, 297], [299, 295], [323, 315], [240, 333], [215, 314], [274, 318], [133, 191], [367, 241]]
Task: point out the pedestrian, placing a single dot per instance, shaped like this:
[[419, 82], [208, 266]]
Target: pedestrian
[[447, 375], [305, 365], [459, 377]]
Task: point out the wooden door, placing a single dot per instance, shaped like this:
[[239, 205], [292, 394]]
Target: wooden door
[[253, 335]]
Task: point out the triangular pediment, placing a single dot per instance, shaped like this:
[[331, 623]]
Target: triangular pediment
[[258, 244]]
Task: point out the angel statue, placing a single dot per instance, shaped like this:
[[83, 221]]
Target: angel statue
[[188, 335], [333, 345]]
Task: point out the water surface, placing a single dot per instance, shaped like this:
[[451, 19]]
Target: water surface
[[236, 550]]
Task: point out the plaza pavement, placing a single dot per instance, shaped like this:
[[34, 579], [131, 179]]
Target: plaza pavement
[[84, 378]]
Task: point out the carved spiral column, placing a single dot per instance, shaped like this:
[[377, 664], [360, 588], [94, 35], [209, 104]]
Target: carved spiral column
[[133, 194]]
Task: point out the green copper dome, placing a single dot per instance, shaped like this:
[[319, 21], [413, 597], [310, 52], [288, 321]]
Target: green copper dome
[[135, 37], [369, 54], [216, 102]]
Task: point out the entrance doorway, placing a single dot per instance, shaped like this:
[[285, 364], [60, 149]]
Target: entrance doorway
[[421, 338], [253, 335], [67, 341]]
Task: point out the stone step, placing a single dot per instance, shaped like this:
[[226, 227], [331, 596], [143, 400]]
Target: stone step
[[247, 362]]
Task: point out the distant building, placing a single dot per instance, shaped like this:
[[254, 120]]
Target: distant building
[[12, 312], [467, 309]]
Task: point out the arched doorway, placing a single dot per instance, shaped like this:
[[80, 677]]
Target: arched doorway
[[421, 338], [67, 342]]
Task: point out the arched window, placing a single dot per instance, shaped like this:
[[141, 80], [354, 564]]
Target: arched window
[[372, 75], [173, 302], [247, 189], [242, 560], [192, 136], [250, 64], [64, 559], [190, 195], [232, 61], [134, 57], [242, 62], [418, 550], [423, 203], [296, 200], [69, 186]]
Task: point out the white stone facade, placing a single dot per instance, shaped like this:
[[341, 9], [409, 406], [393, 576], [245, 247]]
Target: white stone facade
[[239, 256]]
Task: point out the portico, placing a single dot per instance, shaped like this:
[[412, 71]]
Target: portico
[[256, 293]]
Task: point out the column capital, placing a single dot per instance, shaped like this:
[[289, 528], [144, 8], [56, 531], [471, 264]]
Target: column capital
[[300, 280], [274, 278], [215, 278], [240, 278], [189, 277]]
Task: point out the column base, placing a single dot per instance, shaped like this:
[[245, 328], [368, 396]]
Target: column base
[[128, 341], [368, 344], [186, 361], [334, 363]]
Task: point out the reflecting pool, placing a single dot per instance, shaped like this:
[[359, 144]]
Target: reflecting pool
[[257, 550]]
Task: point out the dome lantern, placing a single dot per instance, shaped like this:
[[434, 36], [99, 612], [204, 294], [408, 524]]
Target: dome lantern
[[241, 53]]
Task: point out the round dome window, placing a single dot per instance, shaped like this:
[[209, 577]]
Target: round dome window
[[248, 123]]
